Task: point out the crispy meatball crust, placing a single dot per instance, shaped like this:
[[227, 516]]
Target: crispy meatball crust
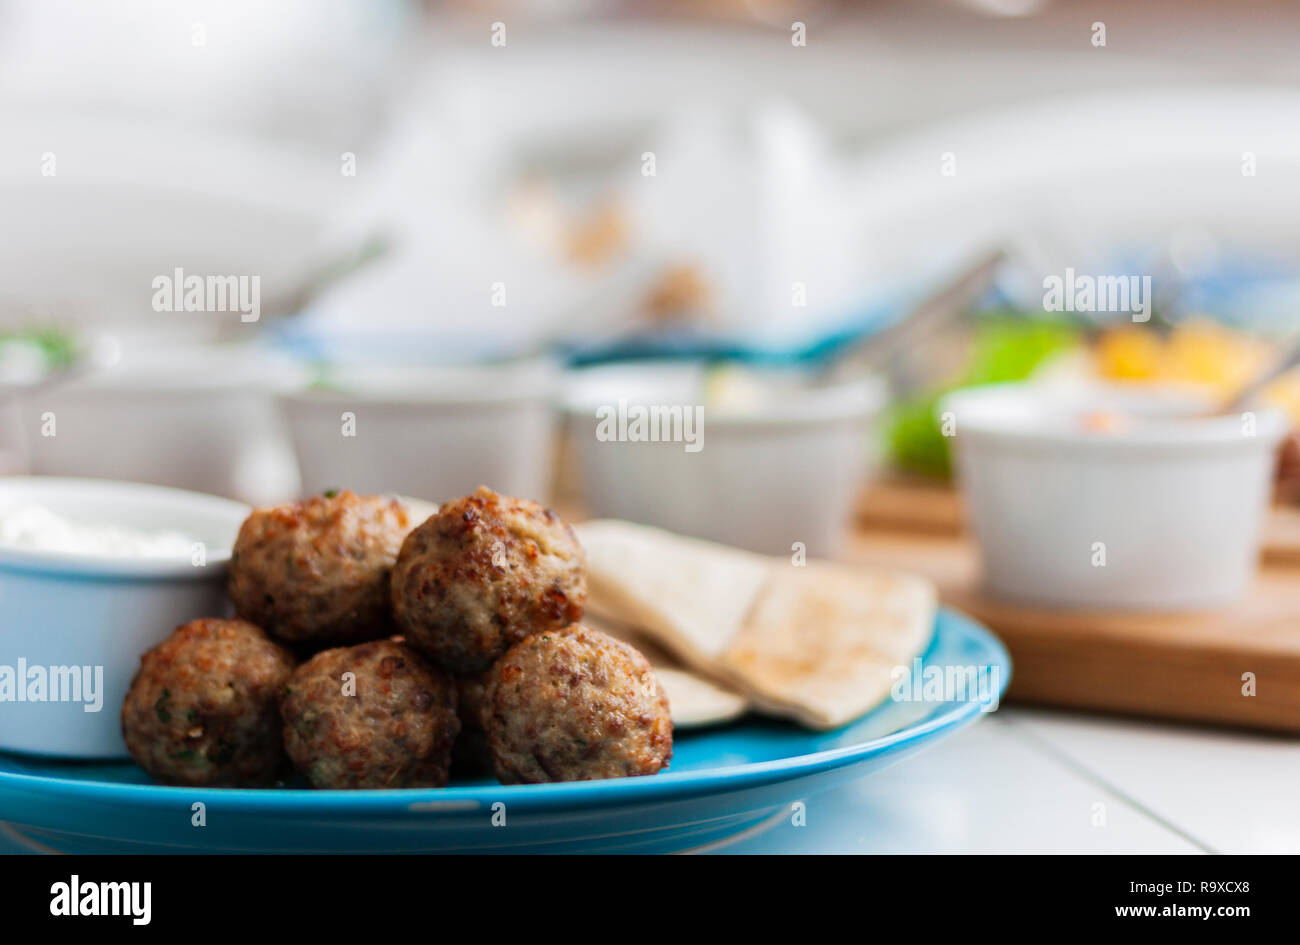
[[391, 726], [484, 573], [316, 572], [203, 707], [575, 705]]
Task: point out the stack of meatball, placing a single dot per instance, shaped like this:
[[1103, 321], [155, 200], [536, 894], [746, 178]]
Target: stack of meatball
[[453, 644]]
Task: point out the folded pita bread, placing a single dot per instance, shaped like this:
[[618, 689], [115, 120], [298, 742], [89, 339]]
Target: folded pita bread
[[816, 643], [693, 699], [822, 641], [692, 596], [695, 702]]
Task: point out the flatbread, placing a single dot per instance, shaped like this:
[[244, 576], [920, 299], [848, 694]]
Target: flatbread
[[816, 643], [694, 700], [821, 641], [691, 595]]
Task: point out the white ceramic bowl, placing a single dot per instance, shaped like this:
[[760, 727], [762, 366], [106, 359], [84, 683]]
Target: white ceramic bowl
[[59, 609], [765, 478], [437, 432], [1161, 513], [186, 416]]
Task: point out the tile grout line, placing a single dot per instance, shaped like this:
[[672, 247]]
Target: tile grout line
[[1091, 776]]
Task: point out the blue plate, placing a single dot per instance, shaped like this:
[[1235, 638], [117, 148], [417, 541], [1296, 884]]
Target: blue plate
[[723, 782]]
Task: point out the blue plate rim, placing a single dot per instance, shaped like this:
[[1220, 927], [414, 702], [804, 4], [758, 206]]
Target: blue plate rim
[[679, 784]]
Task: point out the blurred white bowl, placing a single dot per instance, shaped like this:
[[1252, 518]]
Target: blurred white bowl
[[1158, 513], [62, 609], [192, 417], [777, 470], [433, 431]]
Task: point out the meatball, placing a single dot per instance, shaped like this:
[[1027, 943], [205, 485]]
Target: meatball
[[390, 723], [203, 707], [484, 573], [470, 753], [575, 705], [316, 572]]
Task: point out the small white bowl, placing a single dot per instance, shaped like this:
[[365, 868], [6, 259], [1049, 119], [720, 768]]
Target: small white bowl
[[1163, 512], [185, 416], [786, 470], [59, 609], [429, 431]]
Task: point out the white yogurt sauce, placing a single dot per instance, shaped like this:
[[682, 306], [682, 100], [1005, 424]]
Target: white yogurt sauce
[[27, 525]]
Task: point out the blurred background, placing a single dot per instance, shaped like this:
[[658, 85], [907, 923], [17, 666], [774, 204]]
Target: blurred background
[[473, 225]]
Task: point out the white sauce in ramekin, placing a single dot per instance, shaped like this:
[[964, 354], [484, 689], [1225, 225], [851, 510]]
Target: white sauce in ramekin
[[32, 526]]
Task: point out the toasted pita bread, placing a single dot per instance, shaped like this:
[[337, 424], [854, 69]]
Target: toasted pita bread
[[693, 699], [690, 595], [817, 643], [695, 702], [821, 641]]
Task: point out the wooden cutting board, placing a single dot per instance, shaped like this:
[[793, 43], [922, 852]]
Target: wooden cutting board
[[1181, 666]]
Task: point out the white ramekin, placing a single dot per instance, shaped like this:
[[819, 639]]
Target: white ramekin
[[784, 473], [1164, 514], [59, 609], [432, 431], [185, 416]]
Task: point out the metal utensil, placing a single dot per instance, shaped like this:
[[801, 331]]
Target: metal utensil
[[1244, 395], [938, 308]]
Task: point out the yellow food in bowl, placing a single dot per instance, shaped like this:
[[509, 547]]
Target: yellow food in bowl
[[1197, 352]]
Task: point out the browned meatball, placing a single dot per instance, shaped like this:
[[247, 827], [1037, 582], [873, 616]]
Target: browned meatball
[[470, 754], [390, 724], [483, 573], [575, 705], [316, 572], [203, 707]]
